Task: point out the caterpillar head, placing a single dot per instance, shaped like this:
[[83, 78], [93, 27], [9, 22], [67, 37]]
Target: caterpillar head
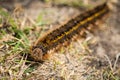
[[37, 54]]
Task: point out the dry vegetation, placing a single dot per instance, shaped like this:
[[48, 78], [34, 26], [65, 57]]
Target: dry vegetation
[[94, 58]]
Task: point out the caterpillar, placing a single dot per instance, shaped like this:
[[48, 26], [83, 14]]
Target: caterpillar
[[66, 31]]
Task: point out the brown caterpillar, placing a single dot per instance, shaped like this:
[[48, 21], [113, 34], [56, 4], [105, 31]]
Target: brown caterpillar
[[66, 32]]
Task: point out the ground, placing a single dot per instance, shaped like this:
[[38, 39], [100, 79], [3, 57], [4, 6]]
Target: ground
[[95, 57]]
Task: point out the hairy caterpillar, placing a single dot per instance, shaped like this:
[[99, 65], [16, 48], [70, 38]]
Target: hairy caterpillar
[[67, 31]]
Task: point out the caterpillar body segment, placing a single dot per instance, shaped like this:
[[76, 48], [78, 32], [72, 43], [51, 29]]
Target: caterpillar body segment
[[66, 32]]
